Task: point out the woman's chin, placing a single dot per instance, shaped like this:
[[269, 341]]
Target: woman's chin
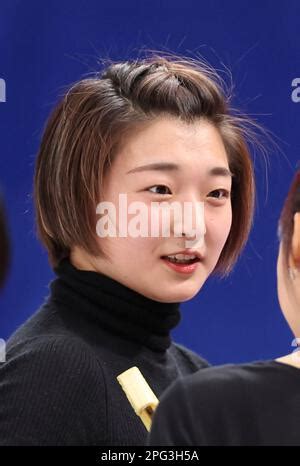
[[178, 296]]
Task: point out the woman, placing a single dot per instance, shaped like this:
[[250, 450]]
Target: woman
[[154, 130], [248, 404]]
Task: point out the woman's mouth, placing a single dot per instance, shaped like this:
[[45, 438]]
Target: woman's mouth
[[181, 263]]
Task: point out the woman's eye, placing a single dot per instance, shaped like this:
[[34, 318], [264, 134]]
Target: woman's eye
[[220, 194], [161, 189]]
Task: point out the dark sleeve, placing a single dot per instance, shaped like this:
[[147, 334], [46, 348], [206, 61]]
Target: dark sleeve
[[172, 420], [205, 408], [52, 392]]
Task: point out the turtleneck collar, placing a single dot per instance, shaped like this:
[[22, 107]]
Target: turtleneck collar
[[115, 307]]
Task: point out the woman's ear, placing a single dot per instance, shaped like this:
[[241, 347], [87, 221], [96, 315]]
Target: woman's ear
[[295, 249]]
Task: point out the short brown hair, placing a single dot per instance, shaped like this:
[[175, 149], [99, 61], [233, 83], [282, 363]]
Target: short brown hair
[[87, 126]]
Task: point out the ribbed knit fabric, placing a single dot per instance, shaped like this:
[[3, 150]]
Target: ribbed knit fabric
[[58, 385]]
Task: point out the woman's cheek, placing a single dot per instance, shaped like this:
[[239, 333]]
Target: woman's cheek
[[225, 222], [228, 222], [219, 229]]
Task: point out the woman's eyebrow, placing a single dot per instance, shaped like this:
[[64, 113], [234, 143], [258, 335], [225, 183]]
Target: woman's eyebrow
[[220, 171], [168, 166], [158, 166]]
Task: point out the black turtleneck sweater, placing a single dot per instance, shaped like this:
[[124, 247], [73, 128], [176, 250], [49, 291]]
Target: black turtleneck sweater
[[58, 385]]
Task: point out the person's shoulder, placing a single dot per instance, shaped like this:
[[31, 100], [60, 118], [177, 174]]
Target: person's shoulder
[[64, 387], [66, 356], [194, 360], [64, 347], [235, 374], [210, 404], [46, 320], [48, 332], [225, 383]]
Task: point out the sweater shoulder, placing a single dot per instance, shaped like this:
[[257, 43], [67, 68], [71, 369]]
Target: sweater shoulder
[[52, 392], [230, 377], [64, 350], [235, 382], [194, 360]]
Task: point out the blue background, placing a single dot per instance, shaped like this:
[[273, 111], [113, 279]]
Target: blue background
[[45, 46]]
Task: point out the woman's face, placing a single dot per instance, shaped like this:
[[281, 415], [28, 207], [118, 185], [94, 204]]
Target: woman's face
[[196, 149], [288, 294]]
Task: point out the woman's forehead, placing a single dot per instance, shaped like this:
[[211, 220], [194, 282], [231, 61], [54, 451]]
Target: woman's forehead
[[172, 142]]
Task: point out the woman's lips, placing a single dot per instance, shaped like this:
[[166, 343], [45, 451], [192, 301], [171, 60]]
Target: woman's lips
[[181, 268]]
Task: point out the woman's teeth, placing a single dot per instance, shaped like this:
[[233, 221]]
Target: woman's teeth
[[182, 258]]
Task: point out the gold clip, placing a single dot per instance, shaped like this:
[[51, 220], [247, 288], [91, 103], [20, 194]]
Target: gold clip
[[139, 394]]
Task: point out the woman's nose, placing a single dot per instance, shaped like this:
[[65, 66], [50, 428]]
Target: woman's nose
[[191, 224]]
